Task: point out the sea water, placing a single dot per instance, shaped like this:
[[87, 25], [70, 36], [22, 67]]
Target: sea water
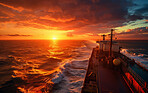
[[136, 49], [43, 66], [57, 66]]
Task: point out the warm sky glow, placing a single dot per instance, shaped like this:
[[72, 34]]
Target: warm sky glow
[[73, 19]]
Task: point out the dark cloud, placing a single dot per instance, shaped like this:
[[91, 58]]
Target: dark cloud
[[82, 16], [142, 11], [135, 17], [141, 30], [139, 13], [140, 33], [67, 14], [18, 35]]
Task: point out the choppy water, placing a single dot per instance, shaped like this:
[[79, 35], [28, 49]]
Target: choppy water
[[43, 66], [136, 49], [34, 66]]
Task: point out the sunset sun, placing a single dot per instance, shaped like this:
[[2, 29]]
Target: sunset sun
[[54, 38]]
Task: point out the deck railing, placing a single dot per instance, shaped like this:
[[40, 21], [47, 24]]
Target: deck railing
[[140, 81]]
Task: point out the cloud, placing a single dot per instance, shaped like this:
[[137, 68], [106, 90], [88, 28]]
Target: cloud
[[138, 11], [66, 14], [11, 7], [18, 35], [135, 17], [69, 34], [82, 16], [142, 11], [141, 30], [140, 33]]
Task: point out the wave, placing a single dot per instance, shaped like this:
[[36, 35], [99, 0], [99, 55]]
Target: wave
[[70, 77], [38, 72], [140, 59], [72, 72]]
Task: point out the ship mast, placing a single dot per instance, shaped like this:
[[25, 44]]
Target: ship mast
[[103, 37], [110, 50]]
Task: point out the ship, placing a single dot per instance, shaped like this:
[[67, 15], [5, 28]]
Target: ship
[[109, 71]]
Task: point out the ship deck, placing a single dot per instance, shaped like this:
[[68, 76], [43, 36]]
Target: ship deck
[[110, 81], [103, 77]]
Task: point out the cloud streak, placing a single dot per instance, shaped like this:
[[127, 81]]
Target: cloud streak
[[137, 33], [142, 30], [11, 7], [16, 35]]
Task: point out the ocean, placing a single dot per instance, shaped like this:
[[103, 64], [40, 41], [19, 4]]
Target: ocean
[[137, 50], [57, 66], [42, 66]]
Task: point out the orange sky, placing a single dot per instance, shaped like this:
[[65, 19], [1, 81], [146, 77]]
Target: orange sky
[[72, 19]]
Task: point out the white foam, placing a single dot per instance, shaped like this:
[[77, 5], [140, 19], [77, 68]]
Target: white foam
[[58, 77], [137, 58], [73, 71]]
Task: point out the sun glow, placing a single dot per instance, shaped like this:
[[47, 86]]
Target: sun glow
[[54, 38]]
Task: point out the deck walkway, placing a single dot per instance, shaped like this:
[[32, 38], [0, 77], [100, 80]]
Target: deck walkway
[[111, 81]]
